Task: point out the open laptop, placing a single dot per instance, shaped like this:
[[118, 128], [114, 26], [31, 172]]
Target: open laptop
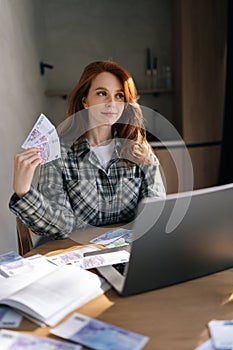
[[186, 236]]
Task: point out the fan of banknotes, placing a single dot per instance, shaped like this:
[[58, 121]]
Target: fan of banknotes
[[44, 135]]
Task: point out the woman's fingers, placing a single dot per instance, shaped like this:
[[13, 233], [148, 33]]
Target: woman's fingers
[[25, 164], [31, 153], [27, 160]]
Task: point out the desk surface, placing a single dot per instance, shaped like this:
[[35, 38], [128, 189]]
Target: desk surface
[[174, 317]]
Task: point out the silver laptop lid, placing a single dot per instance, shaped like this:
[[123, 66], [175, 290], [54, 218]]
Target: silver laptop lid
[[186, 236]]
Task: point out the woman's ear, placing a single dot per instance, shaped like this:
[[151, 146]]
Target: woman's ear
[[84, 102]]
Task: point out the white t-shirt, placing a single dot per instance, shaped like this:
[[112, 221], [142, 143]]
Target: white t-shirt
[[104, 152]]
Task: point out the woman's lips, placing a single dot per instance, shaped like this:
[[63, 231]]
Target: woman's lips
[[109, 113]]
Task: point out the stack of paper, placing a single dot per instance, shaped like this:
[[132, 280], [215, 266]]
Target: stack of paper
[[44, 135]]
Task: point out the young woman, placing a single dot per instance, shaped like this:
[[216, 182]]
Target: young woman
[[104, 170]]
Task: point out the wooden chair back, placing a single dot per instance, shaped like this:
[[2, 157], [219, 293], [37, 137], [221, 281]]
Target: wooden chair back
[[24, 238]]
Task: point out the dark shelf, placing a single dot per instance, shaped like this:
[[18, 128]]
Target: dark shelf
[[155, 91], [56, 93]]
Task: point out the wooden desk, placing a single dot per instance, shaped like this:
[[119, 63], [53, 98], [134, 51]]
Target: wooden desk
[[173, 317]]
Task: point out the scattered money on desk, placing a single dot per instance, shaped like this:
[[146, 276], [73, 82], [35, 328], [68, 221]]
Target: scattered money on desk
[[98, 335], [15, 340], [44, 135]]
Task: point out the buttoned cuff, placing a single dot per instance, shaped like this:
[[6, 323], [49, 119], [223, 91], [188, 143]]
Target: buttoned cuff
[[28, 203]]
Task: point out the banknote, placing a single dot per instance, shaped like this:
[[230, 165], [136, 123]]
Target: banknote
[[105, 259], [14, 340], [42, 127], [96, 259], [102, 258], [221, 332], [44, 135], [9, 318], [50, 149], [115, 237], [207, 345], [98, 335], [72, 257], [9, 257], [12, 264], [16, 268]]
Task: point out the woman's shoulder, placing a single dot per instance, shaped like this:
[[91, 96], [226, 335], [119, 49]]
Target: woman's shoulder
[[151, 154]]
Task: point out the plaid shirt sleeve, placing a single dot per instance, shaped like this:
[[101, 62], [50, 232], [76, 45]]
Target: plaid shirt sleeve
[[60, 206], [152, 184], [46, 211]]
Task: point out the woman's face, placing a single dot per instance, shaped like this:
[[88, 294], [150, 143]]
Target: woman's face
[[105, 100]]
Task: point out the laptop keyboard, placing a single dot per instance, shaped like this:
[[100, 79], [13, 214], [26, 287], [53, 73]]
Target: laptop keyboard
[[120, 267]]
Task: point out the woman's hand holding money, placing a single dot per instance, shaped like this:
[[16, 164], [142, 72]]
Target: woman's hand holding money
[[25, 164]]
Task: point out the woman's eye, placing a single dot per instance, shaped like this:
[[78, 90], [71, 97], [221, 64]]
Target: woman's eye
[[101, 93], [120, 96]]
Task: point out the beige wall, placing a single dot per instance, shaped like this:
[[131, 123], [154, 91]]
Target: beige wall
[[77, 32], [21, 98]]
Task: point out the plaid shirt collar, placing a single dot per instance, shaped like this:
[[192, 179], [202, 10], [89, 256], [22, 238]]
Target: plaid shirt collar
[[82, 148]]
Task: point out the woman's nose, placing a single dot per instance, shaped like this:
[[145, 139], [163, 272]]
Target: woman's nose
[[110, 99]]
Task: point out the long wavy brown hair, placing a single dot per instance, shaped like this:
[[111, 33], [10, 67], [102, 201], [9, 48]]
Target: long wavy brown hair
[[130, 126]]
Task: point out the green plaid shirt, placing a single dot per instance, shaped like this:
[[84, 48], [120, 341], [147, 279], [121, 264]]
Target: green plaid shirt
[[75, 191]]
